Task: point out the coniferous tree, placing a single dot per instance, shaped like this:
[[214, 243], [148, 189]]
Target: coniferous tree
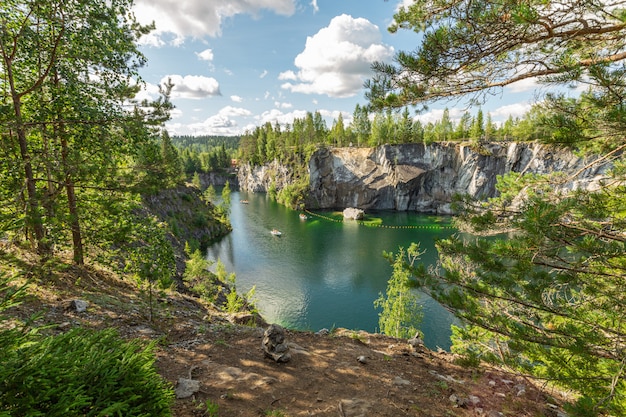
[[548, 299]]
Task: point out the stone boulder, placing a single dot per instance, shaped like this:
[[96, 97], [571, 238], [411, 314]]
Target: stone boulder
[[274, 344], [353, 213]]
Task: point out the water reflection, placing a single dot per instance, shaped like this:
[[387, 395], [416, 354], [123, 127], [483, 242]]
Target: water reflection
[[321, 273]]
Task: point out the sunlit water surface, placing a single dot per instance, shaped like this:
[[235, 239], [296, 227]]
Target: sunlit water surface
[[321, 273]]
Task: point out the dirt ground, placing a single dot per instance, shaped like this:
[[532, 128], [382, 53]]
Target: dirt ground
[[345, 373]]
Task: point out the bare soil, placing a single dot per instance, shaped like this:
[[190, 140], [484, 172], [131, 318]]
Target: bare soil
[[345, 373]]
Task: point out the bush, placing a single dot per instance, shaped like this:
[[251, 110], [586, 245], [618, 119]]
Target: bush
[[81, 373]]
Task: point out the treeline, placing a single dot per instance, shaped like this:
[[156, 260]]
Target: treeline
[[296, 141], [206, 153]]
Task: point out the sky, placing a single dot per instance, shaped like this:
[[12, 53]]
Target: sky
[[238, 64]]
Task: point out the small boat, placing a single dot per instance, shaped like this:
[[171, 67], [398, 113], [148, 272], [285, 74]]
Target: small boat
[[276, 232], [303, 216], [244, 201]]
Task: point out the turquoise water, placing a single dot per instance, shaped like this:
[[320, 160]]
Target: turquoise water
[[321, 273]]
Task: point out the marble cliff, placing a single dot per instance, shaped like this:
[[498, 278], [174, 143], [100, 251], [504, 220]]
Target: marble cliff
[[420, 177]]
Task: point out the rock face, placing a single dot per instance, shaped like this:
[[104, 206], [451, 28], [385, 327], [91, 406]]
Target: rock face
[[424, 178], [418, 177], [262, 178]]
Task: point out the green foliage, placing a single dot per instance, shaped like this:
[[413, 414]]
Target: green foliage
[[209, 194], [73, 145], [195, 180], [82, 373], [79, 373], [548, 297], [206, 153], [151, 258], [226, 197], [476, 49], [198, 276], [401, 312], [211, 409], [293, 194]]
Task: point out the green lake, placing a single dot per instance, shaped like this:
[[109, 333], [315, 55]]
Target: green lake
[[324, 272]]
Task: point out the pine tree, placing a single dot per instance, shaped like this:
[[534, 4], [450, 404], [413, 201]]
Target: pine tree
[[401, 312]]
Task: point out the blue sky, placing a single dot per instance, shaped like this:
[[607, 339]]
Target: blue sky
[[240, 63]]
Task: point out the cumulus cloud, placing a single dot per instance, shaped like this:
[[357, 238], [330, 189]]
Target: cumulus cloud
[[230, 111], [529, 84], [206, 55], [337, 59], [199, 18], [316, 8], [222, 123], [514, 110], [436, 115], [276, 115], [193, 86], [288, 75], [263, 74], [236, 99], [148, 92]]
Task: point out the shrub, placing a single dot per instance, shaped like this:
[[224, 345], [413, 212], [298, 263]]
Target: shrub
[[81, 373]]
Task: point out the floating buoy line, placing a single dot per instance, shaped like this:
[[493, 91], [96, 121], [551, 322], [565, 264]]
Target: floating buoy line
[[385, 226]]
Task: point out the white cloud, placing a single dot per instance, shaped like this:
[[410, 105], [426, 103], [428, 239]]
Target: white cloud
[[281, 105], [276, 115], [337, 59], [236, 99], [230, 111], [404, 4], [436, 115], [176, 113], [193, 86], [529, 84], [222, 123], [198, 18], [206, 55], [514, 110], [263, 74], [315, 6], [331, 115], [288, 75], [147, 92]]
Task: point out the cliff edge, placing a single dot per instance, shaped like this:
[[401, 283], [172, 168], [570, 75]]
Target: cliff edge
[[419, 177]]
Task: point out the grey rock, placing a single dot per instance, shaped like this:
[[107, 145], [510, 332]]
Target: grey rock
[[401, 381], [354, 408], [78, 306], [416, 341], [185, 388], [274, 345], [352, 213]]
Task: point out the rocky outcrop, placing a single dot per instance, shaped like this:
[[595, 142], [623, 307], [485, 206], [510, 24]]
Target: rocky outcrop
[[425, 178], [263, 178], [219, 179], [189, 218]]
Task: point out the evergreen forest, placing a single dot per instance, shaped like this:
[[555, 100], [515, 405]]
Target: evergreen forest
[[80, 156]]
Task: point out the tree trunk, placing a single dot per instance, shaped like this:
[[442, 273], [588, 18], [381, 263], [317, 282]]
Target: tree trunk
[[34, 221], [77, 239]]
